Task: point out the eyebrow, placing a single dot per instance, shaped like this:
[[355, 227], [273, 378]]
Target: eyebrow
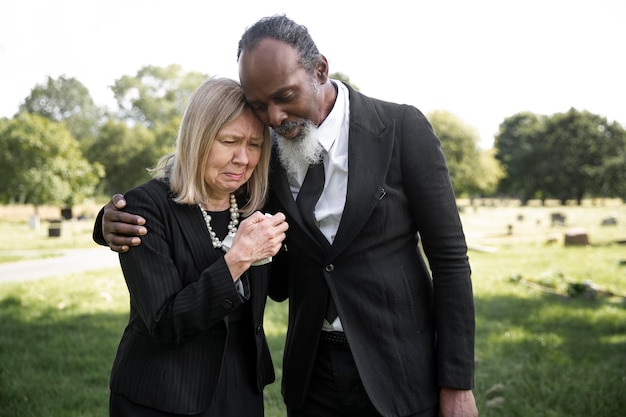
[[281, 91]]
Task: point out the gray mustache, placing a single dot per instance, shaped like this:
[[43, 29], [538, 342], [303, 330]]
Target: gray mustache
[[285, 127]]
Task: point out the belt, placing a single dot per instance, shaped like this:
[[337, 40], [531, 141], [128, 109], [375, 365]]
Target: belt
[[336, 338]]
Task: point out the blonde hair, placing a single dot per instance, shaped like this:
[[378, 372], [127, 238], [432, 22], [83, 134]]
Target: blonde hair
[[216, 103]]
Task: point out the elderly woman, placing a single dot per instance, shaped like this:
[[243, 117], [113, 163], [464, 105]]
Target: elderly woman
[[194, 343]]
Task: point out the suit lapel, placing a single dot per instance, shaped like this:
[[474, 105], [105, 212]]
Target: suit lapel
[[369, 150], [194, 233]]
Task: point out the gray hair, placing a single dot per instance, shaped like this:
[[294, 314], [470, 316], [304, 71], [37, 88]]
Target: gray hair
[[281, 28]]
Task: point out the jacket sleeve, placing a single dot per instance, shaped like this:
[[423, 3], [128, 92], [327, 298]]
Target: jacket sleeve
[[434, 209], [97, 235]]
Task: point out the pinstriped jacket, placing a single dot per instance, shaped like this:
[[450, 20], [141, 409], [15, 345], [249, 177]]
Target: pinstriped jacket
[[410, 329], [181, 293]]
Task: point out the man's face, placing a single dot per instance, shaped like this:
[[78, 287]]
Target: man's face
[[282, 93]]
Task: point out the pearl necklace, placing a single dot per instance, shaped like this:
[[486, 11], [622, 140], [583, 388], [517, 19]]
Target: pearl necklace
[[232, 226]]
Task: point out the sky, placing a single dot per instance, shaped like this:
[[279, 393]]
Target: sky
[[481, 60]]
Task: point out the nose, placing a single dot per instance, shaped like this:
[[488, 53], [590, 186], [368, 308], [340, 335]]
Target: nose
[[276, 115], [240, 156]]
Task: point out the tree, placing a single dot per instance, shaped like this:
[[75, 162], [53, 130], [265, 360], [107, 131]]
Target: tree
[[155, 95], [126, 154], [578, 145], [520, 153], [489, 176], [151, 104], [65, 99], [472, 172], [41, 163], [566, 156]]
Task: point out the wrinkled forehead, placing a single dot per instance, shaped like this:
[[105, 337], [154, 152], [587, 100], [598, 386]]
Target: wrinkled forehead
[[268, 66]]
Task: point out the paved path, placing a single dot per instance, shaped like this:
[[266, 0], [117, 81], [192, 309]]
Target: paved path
[[73, 260]]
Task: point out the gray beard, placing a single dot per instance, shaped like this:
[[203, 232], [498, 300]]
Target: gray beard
[[300, 152]]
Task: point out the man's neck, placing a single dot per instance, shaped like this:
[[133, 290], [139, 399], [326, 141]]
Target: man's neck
[[330, 97]]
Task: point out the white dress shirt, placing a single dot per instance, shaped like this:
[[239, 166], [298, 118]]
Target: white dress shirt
[[333, 136]]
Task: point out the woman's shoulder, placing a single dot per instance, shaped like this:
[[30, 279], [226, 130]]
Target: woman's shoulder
[[154, 189]]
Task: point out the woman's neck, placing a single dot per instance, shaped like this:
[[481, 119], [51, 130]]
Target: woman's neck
[[217, 204]]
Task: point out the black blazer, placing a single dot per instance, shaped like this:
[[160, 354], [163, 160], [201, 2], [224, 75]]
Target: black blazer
[[181, 293], [409, 334]]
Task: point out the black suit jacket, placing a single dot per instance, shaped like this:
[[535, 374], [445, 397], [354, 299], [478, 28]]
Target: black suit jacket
[[409, 333], [181, 293]]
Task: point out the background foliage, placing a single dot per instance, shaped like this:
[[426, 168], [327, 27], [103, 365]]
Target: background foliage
[[567, 156], [41, 163]]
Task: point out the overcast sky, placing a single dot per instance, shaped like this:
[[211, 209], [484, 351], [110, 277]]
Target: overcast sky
[[483, 60]]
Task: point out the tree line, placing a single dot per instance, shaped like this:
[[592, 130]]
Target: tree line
[[61, 148]]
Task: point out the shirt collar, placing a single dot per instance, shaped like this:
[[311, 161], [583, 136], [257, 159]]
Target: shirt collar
[[330, 128]]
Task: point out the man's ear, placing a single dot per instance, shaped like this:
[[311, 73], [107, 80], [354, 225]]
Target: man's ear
[[321, 70]]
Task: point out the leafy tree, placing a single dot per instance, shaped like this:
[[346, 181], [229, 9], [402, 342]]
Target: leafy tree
[[566, 156], [40, 163], [578, 144], [489, 176], [165, 137], [472, 172], [126, 153], [155, 95], [519, 151], [613, 177], [144, 127], [65, 99]]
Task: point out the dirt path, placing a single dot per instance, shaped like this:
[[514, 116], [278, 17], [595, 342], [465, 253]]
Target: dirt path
[[73, 260]]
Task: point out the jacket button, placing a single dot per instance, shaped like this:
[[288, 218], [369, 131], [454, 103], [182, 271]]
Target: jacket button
[[227, 304], [330, 268], [258, 329]]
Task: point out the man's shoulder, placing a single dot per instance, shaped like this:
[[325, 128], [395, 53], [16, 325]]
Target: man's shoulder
[[359, 99], [365, 110]]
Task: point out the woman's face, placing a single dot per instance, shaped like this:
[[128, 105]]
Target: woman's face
[[233, 156]]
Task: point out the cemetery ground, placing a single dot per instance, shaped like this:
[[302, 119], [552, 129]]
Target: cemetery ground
[[551, 318]]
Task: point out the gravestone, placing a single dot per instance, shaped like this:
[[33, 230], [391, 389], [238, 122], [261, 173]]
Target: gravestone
[[609, 221], [557, 219], [576, 237]]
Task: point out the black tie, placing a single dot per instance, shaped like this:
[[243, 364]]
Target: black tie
[[309, 193], [308, 196]]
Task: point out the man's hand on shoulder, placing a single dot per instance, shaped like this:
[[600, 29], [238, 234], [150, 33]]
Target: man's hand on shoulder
[[121, 230]]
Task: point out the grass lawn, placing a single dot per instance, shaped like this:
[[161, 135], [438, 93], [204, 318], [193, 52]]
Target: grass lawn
[[539, 352]]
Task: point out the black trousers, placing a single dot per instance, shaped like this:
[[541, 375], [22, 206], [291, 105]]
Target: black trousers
[[336, 390]]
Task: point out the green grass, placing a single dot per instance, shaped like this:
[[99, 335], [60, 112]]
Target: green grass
[[539, 352], [20, 241], [544, 354], [58, 338]]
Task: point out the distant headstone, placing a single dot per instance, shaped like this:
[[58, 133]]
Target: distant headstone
[[54, 228], [66, 213], [576, 237], [557, 219], [609, 221], [34, 222]]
